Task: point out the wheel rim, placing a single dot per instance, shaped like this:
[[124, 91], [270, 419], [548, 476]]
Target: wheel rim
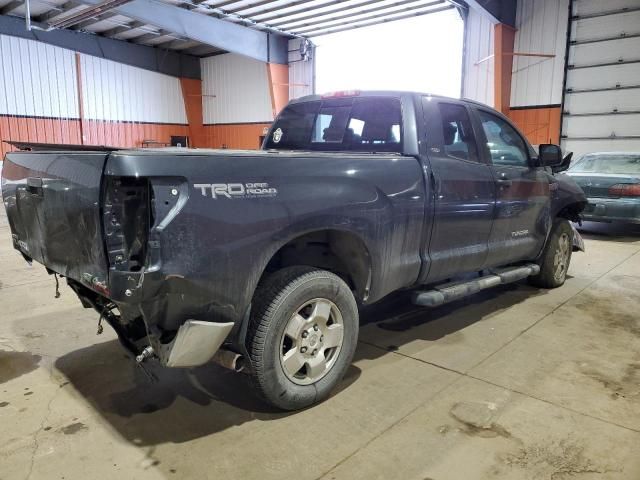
[[561, 257], [311, 341]]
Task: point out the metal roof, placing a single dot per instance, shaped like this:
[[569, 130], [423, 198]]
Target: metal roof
[[287, 18]]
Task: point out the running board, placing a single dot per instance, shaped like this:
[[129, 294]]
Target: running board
[[449, 292]]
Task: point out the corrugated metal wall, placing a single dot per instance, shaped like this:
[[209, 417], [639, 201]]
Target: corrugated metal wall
[[235, 89], [122, 105], [541, 28], [116, 92], [37, 79], [301, 71], [478, 83]]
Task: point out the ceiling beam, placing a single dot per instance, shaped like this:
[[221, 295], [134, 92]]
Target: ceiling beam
[[123, 28], [177, 64], [10, 7], [93, 20], [296, 26], [263, 46], [370, 21]]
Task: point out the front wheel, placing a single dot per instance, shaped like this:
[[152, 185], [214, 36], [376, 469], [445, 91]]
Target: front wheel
[[556, 257], [302, 336]]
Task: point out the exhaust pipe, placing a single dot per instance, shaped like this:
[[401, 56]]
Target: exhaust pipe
[[231, 360]]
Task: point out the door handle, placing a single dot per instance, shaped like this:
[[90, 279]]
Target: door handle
[[34, 185], [504, 181]]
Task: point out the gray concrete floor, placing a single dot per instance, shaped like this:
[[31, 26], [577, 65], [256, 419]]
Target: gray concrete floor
[[517, 383]]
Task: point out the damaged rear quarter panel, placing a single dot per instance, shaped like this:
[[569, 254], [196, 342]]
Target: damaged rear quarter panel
[[214, 250]]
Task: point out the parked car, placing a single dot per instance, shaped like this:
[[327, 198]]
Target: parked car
[[611, 182], [263, 258]]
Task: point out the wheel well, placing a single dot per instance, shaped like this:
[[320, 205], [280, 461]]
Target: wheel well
[[572, 211], [339, 252]]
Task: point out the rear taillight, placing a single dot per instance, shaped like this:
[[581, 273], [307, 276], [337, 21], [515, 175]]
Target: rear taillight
[[625, 190]]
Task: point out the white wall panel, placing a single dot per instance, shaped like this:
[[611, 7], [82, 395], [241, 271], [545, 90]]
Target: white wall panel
[[301, 72], [235, 90], [37, 79], [541, 28], [116, 92], [478, 78]]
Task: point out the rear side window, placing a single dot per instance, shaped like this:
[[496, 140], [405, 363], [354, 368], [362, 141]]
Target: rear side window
[[372, 124], [458, 139]]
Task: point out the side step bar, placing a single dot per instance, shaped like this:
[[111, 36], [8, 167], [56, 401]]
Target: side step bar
[[449, 292]]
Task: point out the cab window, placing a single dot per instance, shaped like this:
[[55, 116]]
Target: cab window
[[458, 138], [505, 145]]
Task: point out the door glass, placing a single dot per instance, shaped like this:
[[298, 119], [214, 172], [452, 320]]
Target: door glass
[[457, 133], [505, 144]]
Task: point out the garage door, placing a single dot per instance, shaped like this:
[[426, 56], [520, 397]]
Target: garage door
[[602, 90]]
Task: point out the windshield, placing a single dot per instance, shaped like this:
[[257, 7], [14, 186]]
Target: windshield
[[370, 124], [616, 164]]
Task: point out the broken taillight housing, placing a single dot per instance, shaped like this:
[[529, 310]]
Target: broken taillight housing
[[126, 221], [625, 190]]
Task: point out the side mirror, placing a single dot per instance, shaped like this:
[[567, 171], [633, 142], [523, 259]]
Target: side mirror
[[549, 155]]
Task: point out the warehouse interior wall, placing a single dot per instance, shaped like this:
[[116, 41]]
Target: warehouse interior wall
[[528, 89], [237, 100], [536, 82], [478, 61], [54, 95]]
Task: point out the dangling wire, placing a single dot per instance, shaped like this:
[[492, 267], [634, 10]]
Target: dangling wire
[[55, 275]]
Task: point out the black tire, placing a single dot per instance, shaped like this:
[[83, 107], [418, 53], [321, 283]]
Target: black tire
[[277, 299], [555, 261]]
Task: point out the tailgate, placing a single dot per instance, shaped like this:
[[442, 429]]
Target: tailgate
[[53, 206]]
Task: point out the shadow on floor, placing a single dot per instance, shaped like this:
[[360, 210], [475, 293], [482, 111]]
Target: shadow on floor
[[188, 404], [182, 405]]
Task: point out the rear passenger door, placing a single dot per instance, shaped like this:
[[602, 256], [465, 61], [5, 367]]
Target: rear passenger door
[[464, 192], [522, 192]]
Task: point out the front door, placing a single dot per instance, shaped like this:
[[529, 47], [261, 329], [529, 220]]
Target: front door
[[522, 193], [463, 192]]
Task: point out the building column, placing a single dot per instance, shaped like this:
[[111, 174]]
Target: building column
[[503, 42], [192, 94], [278, 86]]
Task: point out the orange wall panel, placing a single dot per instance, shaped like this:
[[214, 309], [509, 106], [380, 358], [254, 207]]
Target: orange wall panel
[[279, 86], [540, 125], [192, 94], [244, 136], [42, 130], [96, 132]]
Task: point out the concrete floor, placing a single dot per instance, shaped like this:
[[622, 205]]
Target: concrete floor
[[514, 383]]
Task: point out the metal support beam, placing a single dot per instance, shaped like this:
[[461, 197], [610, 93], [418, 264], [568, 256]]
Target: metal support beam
[[122, 29], [149, 58], [296, 25], [90, 12], [10, 7], [266, 47], [93, 20]]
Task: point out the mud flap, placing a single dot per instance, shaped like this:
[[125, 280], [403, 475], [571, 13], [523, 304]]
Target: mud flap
[[578, 241]]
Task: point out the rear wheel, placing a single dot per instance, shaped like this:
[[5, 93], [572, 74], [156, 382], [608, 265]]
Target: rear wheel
[[302, 337], [556, 256]]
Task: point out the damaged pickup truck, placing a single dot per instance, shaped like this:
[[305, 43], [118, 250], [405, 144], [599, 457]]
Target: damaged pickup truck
[[261, 259]]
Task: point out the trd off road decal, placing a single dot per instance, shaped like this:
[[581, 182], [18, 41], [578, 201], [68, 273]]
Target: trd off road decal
[[236, 190], [277, 135]]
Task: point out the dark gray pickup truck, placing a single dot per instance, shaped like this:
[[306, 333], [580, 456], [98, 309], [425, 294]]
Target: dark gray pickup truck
[[261, 259]]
